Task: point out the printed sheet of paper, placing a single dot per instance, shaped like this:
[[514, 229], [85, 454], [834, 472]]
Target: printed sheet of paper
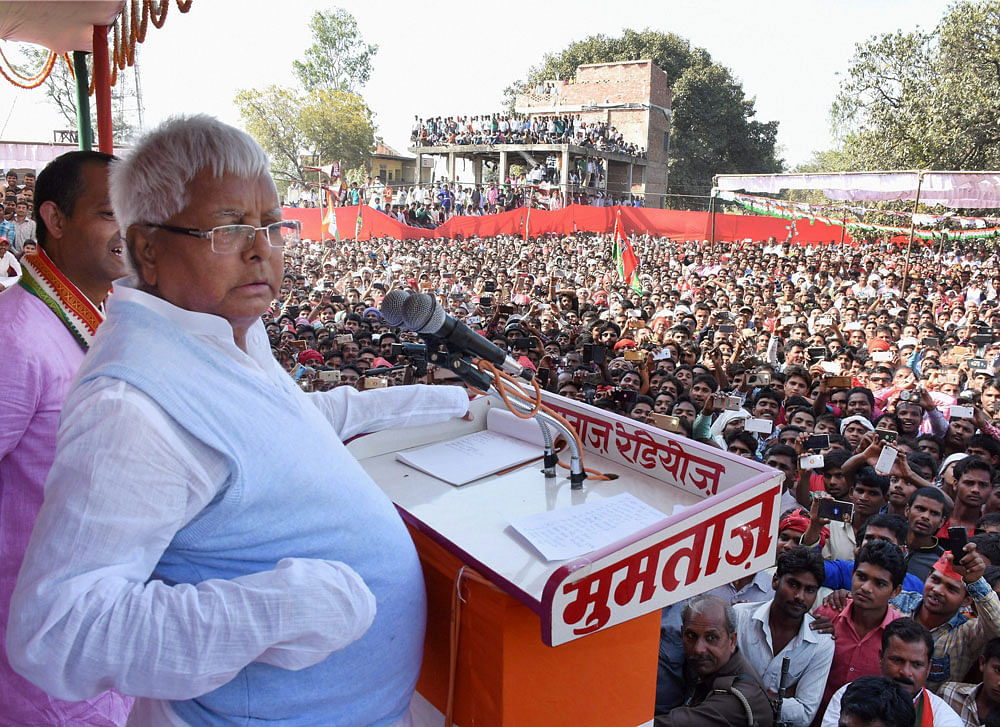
[[574, 531]]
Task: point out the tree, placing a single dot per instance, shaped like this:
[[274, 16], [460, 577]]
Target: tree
[[338, 57], [925, 100], [334, 125], [712, 129], [60, 88]]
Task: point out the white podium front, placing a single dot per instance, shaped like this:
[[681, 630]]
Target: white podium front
[[523, 659]]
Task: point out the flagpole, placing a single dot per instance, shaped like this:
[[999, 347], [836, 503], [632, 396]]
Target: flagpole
[[319, 179]]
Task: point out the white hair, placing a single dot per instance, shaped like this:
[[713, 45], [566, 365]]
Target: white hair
[[150, 183]]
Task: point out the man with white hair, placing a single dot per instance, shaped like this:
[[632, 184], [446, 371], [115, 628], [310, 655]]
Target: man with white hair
[[179, 556]]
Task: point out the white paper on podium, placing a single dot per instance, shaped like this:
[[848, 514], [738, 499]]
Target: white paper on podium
[[574, 531]]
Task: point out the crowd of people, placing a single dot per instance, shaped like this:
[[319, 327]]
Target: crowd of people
[[430, 205], [812, 359], [490, 129], [867, 380]]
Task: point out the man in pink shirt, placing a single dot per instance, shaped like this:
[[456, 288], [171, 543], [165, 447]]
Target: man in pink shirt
[[46, 324], [878, 575]]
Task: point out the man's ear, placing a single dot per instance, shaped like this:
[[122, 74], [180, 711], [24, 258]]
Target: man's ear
[[53, 217], [143, 252]]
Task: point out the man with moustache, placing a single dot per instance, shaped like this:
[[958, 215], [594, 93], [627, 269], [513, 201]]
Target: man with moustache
[[779, 628], [905, 659], [47, 322], [715, 670]]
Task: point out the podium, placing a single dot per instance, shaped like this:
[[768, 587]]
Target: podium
[[569, 642]]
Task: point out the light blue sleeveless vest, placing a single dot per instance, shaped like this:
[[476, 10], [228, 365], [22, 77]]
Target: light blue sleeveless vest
[[293, 491]]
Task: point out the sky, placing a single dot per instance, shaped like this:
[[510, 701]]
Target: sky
[[456, 58]]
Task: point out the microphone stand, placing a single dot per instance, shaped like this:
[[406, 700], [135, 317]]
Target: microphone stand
[[470, 373]]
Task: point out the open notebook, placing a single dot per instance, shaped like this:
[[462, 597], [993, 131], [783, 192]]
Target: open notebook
[[507, 441]]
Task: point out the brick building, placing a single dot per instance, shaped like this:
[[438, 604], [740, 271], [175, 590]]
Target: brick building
[[631, 96]]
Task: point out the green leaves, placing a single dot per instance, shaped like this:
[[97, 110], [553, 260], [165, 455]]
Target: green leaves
[[713, 129], [338, 59], [327, 120], [287, 123], [925, 100]]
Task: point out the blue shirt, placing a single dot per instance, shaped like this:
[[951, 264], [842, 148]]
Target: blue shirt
[[840, 572]]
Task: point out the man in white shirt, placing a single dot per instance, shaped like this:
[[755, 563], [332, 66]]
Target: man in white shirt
[[10, 268], [906, 659], [187, 553], [773, 630]]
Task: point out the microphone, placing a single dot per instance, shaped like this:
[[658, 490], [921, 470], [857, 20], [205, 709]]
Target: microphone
[[422, 314], [392, 307]]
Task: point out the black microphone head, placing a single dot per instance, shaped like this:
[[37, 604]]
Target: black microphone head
[[392, 307], [419, 311]]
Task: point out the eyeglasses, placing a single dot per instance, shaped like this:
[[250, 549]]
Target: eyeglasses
[[240, 238]]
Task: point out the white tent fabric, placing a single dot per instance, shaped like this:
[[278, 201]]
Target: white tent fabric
[[951, 189], [56, 24], [28, 155]]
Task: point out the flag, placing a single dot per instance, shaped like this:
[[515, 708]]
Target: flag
[[625, 258], [527, 221], [357, 225], [330, 220]]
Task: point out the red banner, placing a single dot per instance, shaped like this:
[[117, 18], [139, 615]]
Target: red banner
[[675, 224]]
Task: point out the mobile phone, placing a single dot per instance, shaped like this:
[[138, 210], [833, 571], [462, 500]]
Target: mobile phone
[[835, 510], [811, 461], [330, 377], [336, 299], [758, 426], [634, 312], [951, 379], [886, 460], [887, 435], [486, 301], [761, 378], [956, 412], [592, 353], [930, 342], [542, 376], [957, 540], [345, 338], [910, 395], [727, 328], [788, 320], [666, 422], [726, 403], [525, 342], [838, 382], [489, 286], [960, 351], [635, 355], [817, 441], [982, 339], [978, 364], [625, 396], [882, 356], [816, 353], [506, 309], [824, 321], [299, 344], [375, 382]]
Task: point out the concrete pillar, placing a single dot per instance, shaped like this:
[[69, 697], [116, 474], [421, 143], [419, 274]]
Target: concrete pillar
[[451, 166], [420, 168], [564, 175], [630, 166], [477, 169], [502, 171]]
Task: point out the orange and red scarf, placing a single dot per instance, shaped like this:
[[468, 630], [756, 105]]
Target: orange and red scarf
[[42, 278]]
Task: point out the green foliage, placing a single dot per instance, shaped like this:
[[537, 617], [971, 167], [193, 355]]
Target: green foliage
[[925, 100], [338, 58], [713, 130], [330, 124]]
